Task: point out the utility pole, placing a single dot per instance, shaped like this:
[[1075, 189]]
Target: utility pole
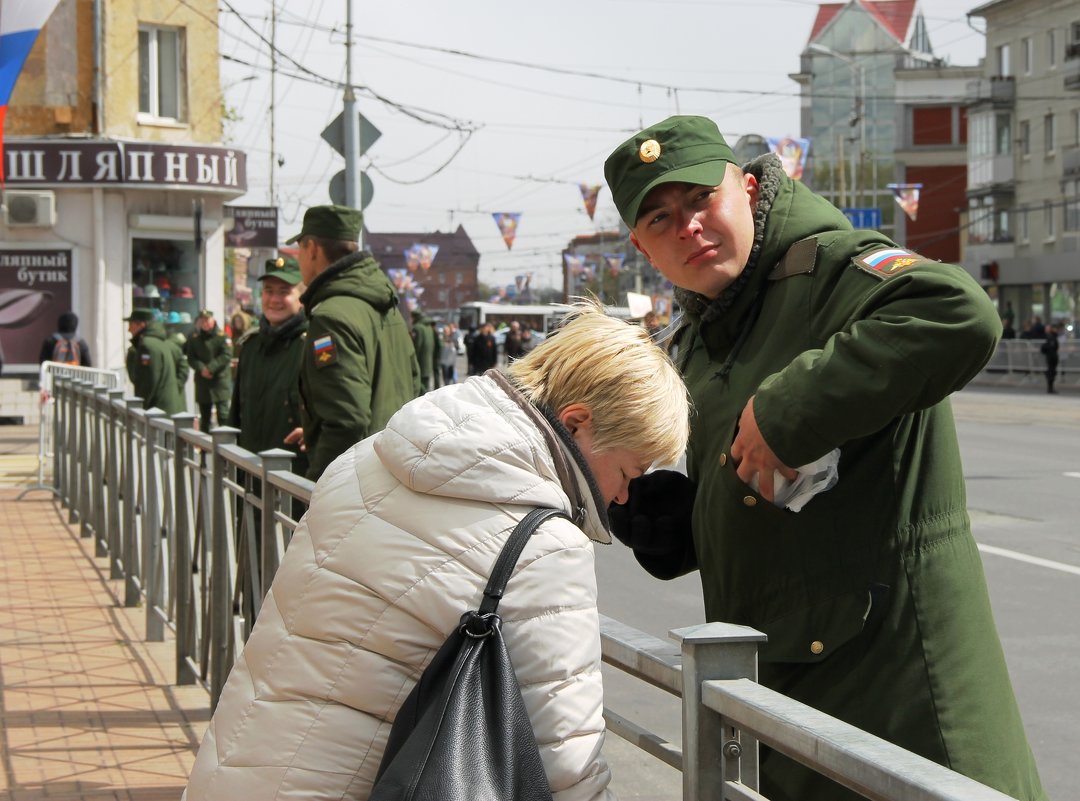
[[273, 80], [351, 123]]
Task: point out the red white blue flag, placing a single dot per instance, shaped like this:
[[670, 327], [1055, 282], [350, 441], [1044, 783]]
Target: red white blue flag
[[20, 22]]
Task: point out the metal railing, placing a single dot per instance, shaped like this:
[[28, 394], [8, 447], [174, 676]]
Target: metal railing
[[196, 526], [1019, 362]]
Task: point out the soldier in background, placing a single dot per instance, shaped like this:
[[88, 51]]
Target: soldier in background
[[425, 340], [156, 365], [209, 353]]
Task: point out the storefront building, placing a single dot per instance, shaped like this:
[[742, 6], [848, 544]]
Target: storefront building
[[116, 178]]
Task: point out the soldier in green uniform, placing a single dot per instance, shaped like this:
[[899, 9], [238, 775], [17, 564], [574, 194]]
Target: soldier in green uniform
[[427, 355], [155, 364], [359, 365], [209, 352], [804, 336], [266, 394]]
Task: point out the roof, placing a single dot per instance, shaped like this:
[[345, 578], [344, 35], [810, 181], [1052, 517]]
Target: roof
[[894, 16], [455, 249]]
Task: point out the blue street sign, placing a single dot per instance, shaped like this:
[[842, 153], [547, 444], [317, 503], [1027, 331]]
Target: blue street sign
[[864, 218]]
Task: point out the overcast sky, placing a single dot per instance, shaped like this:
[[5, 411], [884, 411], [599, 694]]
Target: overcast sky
[[499, 137]]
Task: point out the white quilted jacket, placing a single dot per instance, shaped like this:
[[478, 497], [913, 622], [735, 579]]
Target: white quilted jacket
[[402, 533]]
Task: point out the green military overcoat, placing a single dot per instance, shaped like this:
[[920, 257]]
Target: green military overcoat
[[266, 393], [873, 596], [157, 369], [213, 350], [359, 364], [427, 356]]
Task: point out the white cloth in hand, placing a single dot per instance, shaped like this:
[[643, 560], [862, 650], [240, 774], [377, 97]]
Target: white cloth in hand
[[816, 477]]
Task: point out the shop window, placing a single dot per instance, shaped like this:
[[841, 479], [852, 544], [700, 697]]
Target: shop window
[[165, 279], [161, 72]]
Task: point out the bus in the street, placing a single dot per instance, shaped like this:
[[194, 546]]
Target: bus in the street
[[536, 317]]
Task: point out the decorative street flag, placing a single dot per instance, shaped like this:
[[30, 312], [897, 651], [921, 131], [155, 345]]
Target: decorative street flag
[[792, 152], [20, 22], [907, 196], [508, 223], [589, 195], [614, 262], [574, 263], [420, 256]]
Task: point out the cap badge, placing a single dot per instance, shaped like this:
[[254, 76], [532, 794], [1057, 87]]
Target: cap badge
[[649, 151], [280, 262]]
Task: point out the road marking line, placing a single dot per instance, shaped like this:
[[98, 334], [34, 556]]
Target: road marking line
[[1031, 560]]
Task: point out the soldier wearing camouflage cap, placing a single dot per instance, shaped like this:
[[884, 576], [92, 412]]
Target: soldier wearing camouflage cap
[[803, 338], [359, 365]]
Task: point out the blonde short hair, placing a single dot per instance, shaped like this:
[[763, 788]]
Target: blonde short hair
[[636, 395]]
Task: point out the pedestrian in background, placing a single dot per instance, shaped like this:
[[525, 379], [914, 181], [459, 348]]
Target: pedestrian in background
[[512, 348], [209, 352], [266, 393], [1049, 350], [485, 350], [66, 346], [155, 364], [448, 354], [427, 354], [806, 340], [359, 365], [402, 533]]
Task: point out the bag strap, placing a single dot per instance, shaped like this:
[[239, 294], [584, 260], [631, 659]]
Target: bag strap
[[504, 565]]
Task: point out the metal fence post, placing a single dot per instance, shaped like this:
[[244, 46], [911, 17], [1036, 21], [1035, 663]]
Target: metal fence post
[[182, 548], [129, 548], [152, 569], [221, 568], [72, 447], [270, 557], [113, 492], [79, 482], [711, 751], [59, 392], [99, 401]]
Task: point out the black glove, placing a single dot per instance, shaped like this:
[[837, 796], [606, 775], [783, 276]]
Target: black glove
[[655, 522]]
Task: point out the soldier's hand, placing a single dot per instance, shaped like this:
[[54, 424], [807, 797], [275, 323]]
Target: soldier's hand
[[296, 437], [753, 456], [205, 373]]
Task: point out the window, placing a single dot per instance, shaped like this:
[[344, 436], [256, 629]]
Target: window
[[161, 73], [1022, 224], [1072, 208], [1025, 138], [1003, 57], [1051, 47], [1048, 219], [1028, 54], [1048, 133], [1076, 126], [1004, 134]]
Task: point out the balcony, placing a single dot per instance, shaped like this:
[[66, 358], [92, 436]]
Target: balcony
[[994, 172], [998, 90]]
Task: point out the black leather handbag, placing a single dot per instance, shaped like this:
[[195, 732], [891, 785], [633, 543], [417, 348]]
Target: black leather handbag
[[463, 734]]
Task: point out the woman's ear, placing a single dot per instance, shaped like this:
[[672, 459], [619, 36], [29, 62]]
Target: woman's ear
[[575, 416]]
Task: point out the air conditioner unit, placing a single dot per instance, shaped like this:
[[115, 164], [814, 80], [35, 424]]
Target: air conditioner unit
[[29, 209]]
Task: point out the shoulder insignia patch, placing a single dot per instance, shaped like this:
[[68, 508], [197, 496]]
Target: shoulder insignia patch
[[325, 351], [885, 262], [144, 358], [799, 259]]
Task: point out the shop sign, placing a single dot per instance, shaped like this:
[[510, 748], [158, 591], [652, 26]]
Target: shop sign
[[103, 163], [253, 227], [35, 289]]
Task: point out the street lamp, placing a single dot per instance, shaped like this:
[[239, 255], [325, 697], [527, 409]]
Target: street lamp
[[858, 92]]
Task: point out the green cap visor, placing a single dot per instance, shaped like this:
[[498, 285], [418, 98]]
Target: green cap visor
[[708, 173]]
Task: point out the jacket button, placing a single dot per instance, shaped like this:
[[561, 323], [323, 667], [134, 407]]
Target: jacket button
[[750, 500], [723, 459], [817, 646]]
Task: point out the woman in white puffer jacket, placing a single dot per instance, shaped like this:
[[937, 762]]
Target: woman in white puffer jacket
[[401, 535]]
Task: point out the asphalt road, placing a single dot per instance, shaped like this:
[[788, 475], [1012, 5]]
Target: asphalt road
[[1021, 452]]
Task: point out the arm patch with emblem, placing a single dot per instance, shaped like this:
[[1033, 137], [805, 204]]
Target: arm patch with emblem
[[884, 262], [325, 351]]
